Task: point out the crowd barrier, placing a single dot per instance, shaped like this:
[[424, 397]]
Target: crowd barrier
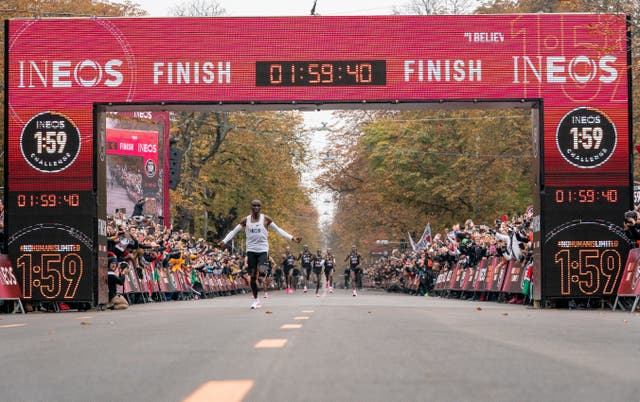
[[628, 296], [492, 278], [161, 283]]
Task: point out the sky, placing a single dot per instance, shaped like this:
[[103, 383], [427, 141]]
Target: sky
[[238, 8]]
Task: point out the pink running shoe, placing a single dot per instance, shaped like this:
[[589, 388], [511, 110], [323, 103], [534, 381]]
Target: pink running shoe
[[265, 295], [305, 289], [355, 293], [330, 289], [317, 295]]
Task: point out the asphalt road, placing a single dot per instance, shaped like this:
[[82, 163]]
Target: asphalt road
[[376, 347]]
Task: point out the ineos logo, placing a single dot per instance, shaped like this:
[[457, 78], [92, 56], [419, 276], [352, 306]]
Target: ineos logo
[[65, 73], [560, 69]]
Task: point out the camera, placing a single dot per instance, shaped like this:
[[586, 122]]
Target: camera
[[630, 217]]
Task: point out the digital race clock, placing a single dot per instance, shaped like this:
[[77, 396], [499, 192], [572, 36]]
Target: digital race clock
[[321, 73], [54, 202], [586, 195]]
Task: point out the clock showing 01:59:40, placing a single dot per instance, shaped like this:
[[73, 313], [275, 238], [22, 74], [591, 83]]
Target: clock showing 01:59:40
[[321, 73], [585, 195], [59, 200]]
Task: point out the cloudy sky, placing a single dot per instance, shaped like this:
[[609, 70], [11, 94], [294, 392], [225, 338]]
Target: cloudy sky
[[237, 8]]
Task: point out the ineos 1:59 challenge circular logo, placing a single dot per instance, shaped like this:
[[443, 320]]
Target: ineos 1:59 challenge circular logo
[[50, 142], [586, 138]]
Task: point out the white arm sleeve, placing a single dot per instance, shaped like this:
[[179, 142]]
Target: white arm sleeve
[[232, 234], [281, 232], [502, 237]]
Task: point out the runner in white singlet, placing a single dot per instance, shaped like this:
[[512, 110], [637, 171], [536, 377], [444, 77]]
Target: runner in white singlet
[[255, 226]]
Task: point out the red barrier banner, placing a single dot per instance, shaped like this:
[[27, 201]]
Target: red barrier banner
[[455, 277], [167, 283], [459, 277], [492, 265], [213, 283], [131, 282], [514, 278], [440, 281], [9, 288], [203, 280], [179, 281], [467, 283], [219, 283], [630, 283], [499, 273], [447, 281], [481, 275], [148, 284]]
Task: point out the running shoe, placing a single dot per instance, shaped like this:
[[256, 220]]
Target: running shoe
[[354, 293], [256, 304], [330, 289], [265, 295], [317, 295], [305, 289]]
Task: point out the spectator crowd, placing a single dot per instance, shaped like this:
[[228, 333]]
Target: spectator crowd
[[140, 245], [463, 245]]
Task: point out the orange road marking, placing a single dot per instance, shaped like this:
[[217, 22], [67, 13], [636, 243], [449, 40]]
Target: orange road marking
[[301, 318], [83, 318], [291, 326], [271, 343], [12, 325], [221, 391]]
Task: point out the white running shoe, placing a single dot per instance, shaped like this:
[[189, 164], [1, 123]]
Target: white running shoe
[[330, 289], [305, 289], [265, 295], [355, 293], [317, 295], [256, 304]]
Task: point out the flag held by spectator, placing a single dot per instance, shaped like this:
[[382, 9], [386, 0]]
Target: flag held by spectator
[[413, 244], [424, 241], [526, 283]]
